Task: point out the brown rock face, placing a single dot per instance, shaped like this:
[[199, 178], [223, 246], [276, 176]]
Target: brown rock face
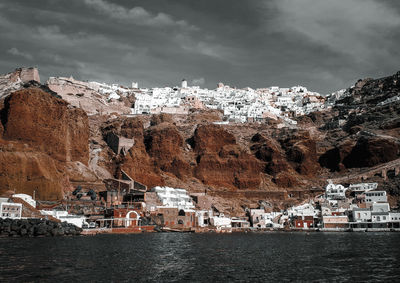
[[270, 152], [301, 152], [333, 158], [41, 135], [46, 123], [366, 152], [220, 161], [138, 164], [140, 167], [164, 145], [234, 172], [371, 151], [211, 138], [26, 172]]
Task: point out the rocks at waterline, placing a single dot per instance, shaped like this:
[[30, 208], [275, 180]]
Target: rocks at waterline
[[36, 227]]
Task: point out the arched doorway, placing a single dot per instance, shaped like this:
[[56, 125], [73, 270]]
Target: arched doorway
[[128, 220]]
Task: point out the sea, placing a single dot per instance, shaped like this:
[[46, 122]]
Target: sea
[[187, 257]]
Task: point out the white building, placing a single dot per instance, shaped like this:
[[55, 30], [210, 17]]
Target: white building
[[375, 196], [221, 221], [261, 219], [203, 217], [394, 216], [361, 215], [335, 192], [77, 220], [26, 198], [303, 210], [171, 197], [380, 217], [363, 187], [184, 83], [9, 209], [380, 207]]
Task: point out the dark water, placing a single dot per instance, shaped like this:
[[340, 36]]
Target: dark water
[[203, 258]]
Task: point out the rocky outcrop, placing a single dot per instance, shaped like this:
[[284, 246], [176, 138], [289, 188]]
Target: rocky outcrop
[[27, 171], [234, 171], [270, 152], [48, 124], [301, 152], [88, 96], [221, 162], [371, 151], [36, 227], [164, 144], [211, 138], [42, 134], [16, 80]]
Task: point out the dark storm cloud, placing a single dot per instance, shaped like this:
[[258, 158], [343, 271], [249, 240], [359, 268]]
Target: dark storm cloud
[[324, 45]]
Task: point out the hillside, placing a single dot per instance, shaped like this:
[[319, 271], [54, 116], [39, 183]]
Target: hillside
[[49, 145]]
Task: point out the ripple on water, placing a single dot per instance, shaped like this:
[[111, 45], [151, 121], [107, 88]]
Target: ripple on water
[[204, 257]]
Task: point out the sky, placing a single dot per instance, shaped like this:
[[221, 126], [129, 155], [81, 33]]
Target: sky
[[323, 45]]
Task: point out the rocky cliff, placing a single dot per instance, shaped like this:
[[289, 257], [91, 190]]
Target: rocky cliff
[[48, 143], [41, 135]]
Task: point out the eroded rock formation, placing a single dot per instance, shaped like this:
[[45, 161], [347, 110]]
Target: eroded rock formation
[[41, 135]]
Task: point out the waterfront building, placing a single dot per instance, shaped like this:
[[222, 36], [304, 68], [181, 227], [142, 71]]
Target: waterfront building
[[175, 218], [361, 215], [62, 215], [375, 196], [177, 208], [380, 217], [203, 217], [335, 192], [261, 219], [380, 207], [304, 222], [11, 210], [27, 198], [221, 221], [306, 209], [177, 198], [335, 222], [240, 222], [394, 218], [363, 187]]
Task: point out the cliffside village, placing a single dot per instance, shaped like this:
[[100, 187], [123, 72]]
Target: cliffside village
[[237, 105], [130, 207], [126, 206]]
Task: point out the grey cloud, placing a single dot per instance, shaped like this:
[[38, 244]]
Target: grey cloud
[[198, 81], [324, 45], [137, 15], [358, 28], [14, 51]]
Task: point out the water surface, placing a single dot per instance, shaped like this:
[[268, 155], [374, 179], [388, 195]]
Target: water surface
[[203, 257]]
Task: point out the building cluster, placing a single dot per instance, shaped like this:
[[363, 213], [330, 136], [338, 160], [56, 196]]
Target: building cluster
[[358, 207], [69, 86], [238, 105], [127, 206]]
